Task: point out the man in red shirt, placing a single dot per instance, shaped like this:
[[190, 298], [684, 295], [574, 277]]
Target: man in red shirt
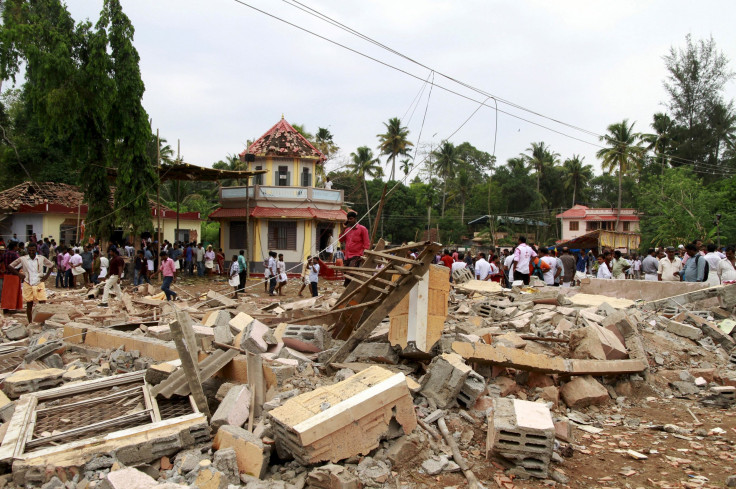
[[113, 276], [447, 259], [355, 241]]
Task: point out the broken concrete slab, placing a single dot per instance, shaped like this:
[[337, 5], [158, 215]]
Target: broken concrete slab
[[25, 381], [252, 339], [681, 329], [42, 312], [240, 322], [374, 353], [613, 347], [523, 360], [444, 379], [522, 432], [251, 454], [584, 391], [221, 300], [345, 419], [234, 408], [585, 343]]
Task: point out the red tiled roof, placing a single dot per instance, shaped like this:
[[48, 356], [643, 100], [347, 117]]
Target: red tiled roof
[[576, 211], [282, 213], [283, 140]]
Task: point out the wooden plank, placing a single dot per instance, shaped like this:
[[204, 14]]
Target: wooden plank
[[332, 312], [381, 311], [393, 258], [128, 303]]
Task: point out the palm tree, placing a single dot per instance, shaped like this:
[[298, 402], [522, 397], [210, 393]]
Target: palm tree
[[540, 158], [303, 131], [463, 186], [623, 152], [661, 141], [393, 142], [445, 160], [722, 120], [405, 166], [364, 164], [323, 141], [577, 174]]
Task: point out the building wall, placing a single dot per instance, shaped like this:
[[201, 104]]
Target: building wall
[[295, 166], [168, 228], [567, 234]]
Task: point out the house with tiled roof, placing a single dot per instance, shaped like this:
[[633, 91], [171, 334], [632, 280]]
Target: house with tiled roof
[[281, 209], [580, 220], [57, 210]]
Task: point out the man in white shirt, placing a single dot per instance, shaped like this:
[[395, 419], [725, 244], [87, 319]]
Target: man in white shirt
[[670, 267], [314, 275], [549, 275], [273, 272], [522, 255], [482, 268], [328, 185], [713, 258], [33, 288], [458, 265], [508, 268]]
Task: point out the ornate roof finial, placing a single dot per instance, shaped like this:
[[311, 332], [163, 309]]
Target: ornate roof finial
[[282, 116]]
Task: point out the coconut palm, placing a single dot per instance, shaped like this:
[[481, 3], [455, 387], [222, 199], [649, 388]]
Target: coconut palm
[[446, 158], [660, 142], [461, 191], [405, 166], [540, 158], [622, 153], [577, 174], [364, 164], [394, 142]]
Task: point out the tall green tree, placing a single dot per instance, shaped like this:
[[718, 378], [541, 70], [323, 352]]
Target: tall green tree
[[540, 158], [661, 142], [445, 161], [622, 153], [577, 174], [363, 164], [394, 142], [129, 125]]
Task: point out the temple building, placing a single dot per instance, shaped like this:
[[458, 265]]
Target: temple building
[[282, 209]]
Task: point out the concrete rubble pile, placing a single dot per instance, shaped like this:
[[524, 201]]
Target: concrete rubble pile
[[509, 388]]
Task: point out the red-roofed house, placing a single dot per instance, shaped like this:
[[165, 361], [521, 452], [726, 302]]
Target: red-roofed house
[[286, 212], [581, 219]]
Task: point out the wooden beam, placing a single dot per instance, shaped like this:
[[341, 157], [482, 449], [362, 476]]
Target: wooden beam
[[186, 345], [392, 258]]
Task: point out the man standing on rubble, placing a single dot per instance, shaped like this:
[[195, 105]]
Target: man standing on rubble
[[619, 265], [670, 267], [552, 271], [113, 278], [168, 270], [522, 255], [568, 267], [355, 240], [34, 287], [650, 266]]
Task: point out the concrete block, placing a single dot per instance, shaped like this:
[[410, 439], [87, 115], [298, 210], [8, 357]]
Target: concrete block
[[373, 353], [223, 334], [345, 419], [473, 387], [522, 432], [208, 477], [682, 329], [332, 476], [240, 322], [288, 353], [445, 379], [128, 478], [155, 374], [586, 343], [25, 381], [234, 408], [613, 348], [74, 375], [584, 391], [305, 338], [551, 394], [252, 339], [563, 326], [251, 454], [15, 331], [226, 461], [41, 349], [591, 316]]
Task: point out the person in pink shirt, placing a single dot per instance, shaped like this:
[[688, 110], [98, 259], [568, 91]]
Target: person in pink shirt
[[168, 271], [67, 268], [355, 241]]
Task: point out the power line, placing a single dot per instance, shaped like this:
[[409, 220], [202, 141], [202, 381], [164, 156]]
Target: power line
[[313, 12]]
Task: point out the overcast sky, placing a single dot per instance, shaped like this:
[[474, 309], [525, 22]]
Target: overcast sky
[[218, 73]]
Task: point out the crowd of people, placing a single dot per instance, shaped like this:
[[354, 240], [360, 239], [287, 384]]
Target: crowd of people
[[694, 262]]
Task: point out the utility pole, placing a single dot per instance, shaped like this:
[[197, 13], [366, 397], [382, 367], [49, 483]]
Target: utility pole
[[178, 197], [158, 187]]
